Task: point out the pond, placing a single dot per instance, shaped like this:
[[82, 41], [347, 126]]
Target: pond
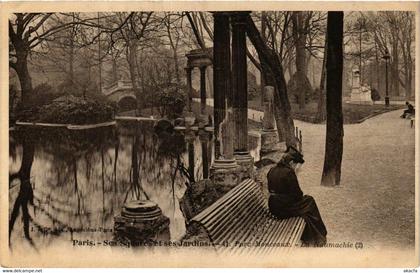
[[73, 183]]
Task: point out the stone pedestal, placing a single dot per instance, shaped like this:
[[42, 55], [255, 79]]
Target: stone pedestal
[[268, 119], [141, 221], [359, 94], [269, 140], [246, 164], [269, 137], [225, 173], [225, 170]]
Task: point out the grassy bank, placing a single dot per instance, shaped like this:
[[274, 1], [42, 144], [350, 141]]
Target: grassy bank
[[352, 113]]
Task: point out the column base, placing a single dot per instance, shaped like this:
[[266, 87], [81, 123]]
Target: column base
[[141, 221], [202, 121], [224, 164], [269, 140], [246, 163], [225, 173]]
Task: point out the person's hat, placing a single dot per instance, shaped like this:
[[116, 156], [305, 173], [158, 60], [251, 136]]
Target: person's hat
[[295, 154]]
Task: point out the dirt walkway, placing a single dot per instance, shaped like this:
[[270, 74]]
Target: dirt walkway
[[375, 202]]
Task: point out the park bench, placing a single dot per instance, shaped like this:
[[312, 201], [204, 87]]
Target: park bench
[[240, 222], [412, 118]]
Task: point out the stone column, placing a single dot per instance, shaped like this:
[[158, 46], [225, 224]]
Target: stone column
[[269, 137], [189, 138], [240, 90], [204, 140], [221, 70], [188, 71], [268, 119], [224, 170], [203, 89], [355, 86], [223, 122]]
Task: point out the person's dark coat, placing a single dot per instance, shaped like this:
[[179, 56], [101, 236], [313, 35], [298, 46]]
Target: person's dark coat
[[287, 200]]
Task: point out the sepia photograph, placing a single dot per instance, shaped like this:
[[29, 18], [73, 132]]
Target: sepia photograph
[[253, 136]]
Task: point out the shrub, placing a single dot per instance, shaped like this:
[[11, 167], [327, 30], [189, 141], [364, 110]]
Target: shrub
[[70, 109], [172, 104], [42, 94], [171, 100]]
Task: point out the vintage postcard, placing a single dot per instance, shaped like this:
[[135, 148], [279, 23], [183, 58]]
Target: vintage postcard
[[209, 134]]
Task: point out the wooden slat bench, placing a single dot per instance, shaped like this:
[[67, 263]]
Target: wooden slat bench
[[240, 222]]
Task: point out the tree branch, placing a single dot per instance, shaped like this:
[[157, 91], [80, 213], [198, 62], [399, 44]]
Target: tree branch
[[196, 33], [206, 27], [37, 26], [12, 33], [12, 65]]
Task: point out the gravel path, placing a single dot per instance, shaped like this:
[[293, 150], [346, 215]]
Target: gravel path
[[375, 202]]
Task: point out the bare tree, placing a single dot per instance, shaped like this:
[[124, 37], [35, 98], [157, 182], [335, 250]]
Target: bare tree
[[27, 31], [406, 41], [171, 24], [272, 66], [300, 25], [386, 28], [136, 30]]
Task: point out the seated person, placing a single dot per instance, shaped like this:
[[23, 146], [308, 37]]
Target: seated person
[[409, 111], [287, 199]]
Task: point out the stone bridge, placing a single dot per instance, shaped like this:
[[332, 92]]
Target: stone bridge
[[122, 93]]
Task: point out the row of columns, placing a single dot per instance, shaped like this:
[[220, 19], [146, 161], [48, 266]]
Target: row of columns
[[230, 91], [188, 71]]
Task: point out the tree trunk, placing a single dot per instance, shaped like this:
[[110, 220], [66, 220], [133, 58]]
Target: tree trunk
[[321, 113], [377, 66], [132, 57], [176, 64], [271, 60], [263, 36], [331, 173], [299, 37], [395, 84], [408, 72], [114, 70], [71, 62], [290, 68], [25, 79], [408, 80], [408, 88], [71, 53]]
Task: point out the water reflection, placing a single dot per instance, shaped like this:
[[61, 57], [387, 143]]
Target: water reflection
[[69, 185], [25, 195]]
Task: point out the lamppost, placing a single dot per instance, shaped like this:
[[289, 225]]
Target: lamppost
[[386, 57]]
